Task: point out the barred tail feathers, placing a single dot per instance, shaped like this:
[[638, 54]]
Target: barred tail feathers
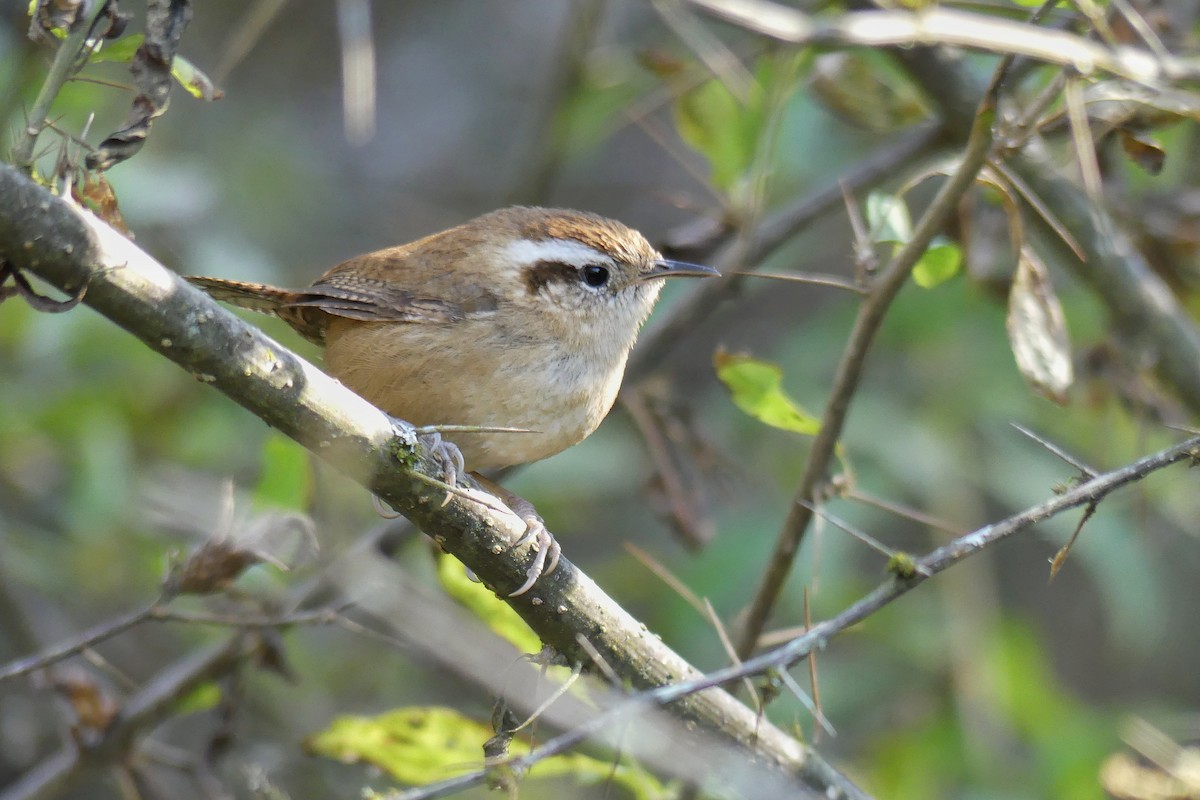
[[243, 294], [308, 322]]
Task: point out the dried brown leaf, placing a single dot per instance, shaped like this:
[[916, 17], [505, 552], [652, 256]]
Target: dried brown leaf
[[97, 195], [1037, 330], [211, 568]]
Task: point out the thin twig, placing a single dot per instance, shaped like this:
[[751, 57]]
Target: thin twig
[[811, 278], [105, 630], [666, 576], [776, 230], [1056, 450], [1139, 24], [861, 535], [358, 70], [65, 62], [727, 645], [156, 612], [812, 666], [818, 636], [869, 499], [870, 316], [711, 51], [1081, 135], [823, 722]]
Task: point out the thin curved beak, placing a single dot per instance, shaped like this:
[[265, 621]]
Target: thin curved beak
[[665, 268]]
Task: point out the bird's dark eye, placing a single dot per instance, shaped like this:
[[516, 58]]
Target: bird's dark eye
[[595, 276]]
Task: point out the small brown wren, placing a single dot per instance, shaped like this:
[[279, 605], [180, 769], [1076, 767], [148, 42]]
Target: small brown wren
[[521, 318]]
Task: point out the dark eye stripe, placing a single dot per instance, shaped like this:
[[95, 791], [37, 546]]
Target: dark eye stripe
[[545, 272]]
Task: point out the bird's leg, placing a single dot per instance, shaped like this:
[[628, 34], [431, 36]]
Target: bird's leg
[[449, 458], [450, 465], [546, 546]]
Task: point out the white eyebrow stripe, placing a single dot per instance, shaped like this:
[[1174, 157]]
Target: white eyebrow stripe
[[562, 251]]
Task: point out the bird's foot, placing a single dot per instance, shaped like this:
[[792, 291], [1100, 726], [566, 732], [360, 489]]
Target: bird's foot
[[547, 548], [447, 455], [545, 545]]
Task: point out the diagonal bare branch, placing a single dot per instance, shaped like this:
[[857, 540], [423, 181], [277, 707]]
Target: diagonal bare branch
[[46, 236]]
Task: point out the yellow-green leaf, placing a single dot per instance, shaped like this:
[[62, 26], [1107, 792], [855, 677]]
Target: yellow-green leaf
[[494, 612], [757, 388], [728, 127], [121, 50], [938, 263], [202, 698], [710, 119], [193, 80], [414, 745], [420, 745]]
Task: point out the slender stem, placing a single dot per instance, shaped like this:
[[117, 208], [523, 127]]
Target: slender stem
[[870, 316], [100, 633], [776, 230], [158, 613], [817, 636], [60, 71]]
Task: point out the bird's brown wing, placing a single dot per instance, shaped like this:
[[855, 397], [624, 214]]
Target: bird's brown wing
[[373, 300], [370, 288], [357, 297]]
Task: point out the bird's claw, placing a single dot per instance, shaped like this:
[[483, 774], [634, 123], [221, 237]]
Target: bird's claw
[[546, 547], [447, 455]]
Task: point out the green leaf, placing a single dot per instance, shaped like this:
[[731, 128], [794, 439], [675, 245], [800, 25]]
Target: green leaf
[[757, 389], [186, 74], [939, 263], [420, 745], [286, 480], [202, 698], [414, 745], [193, 80], [597, 104], [710, 119], [122, 50], [483, 603], [888, 219], [729, 128]]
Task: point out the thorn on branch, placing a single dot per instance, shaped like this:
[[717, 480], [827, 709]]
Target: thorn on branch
[[1060, 557], [1086, 472]]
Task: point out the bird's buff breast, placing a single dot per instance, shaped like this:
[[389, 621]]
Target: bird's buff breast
[[419, 373]]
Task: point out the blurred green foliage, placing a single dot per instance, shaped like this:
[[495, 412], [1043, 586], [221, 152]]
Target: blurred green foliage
[[423, 745], [988, 682]]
